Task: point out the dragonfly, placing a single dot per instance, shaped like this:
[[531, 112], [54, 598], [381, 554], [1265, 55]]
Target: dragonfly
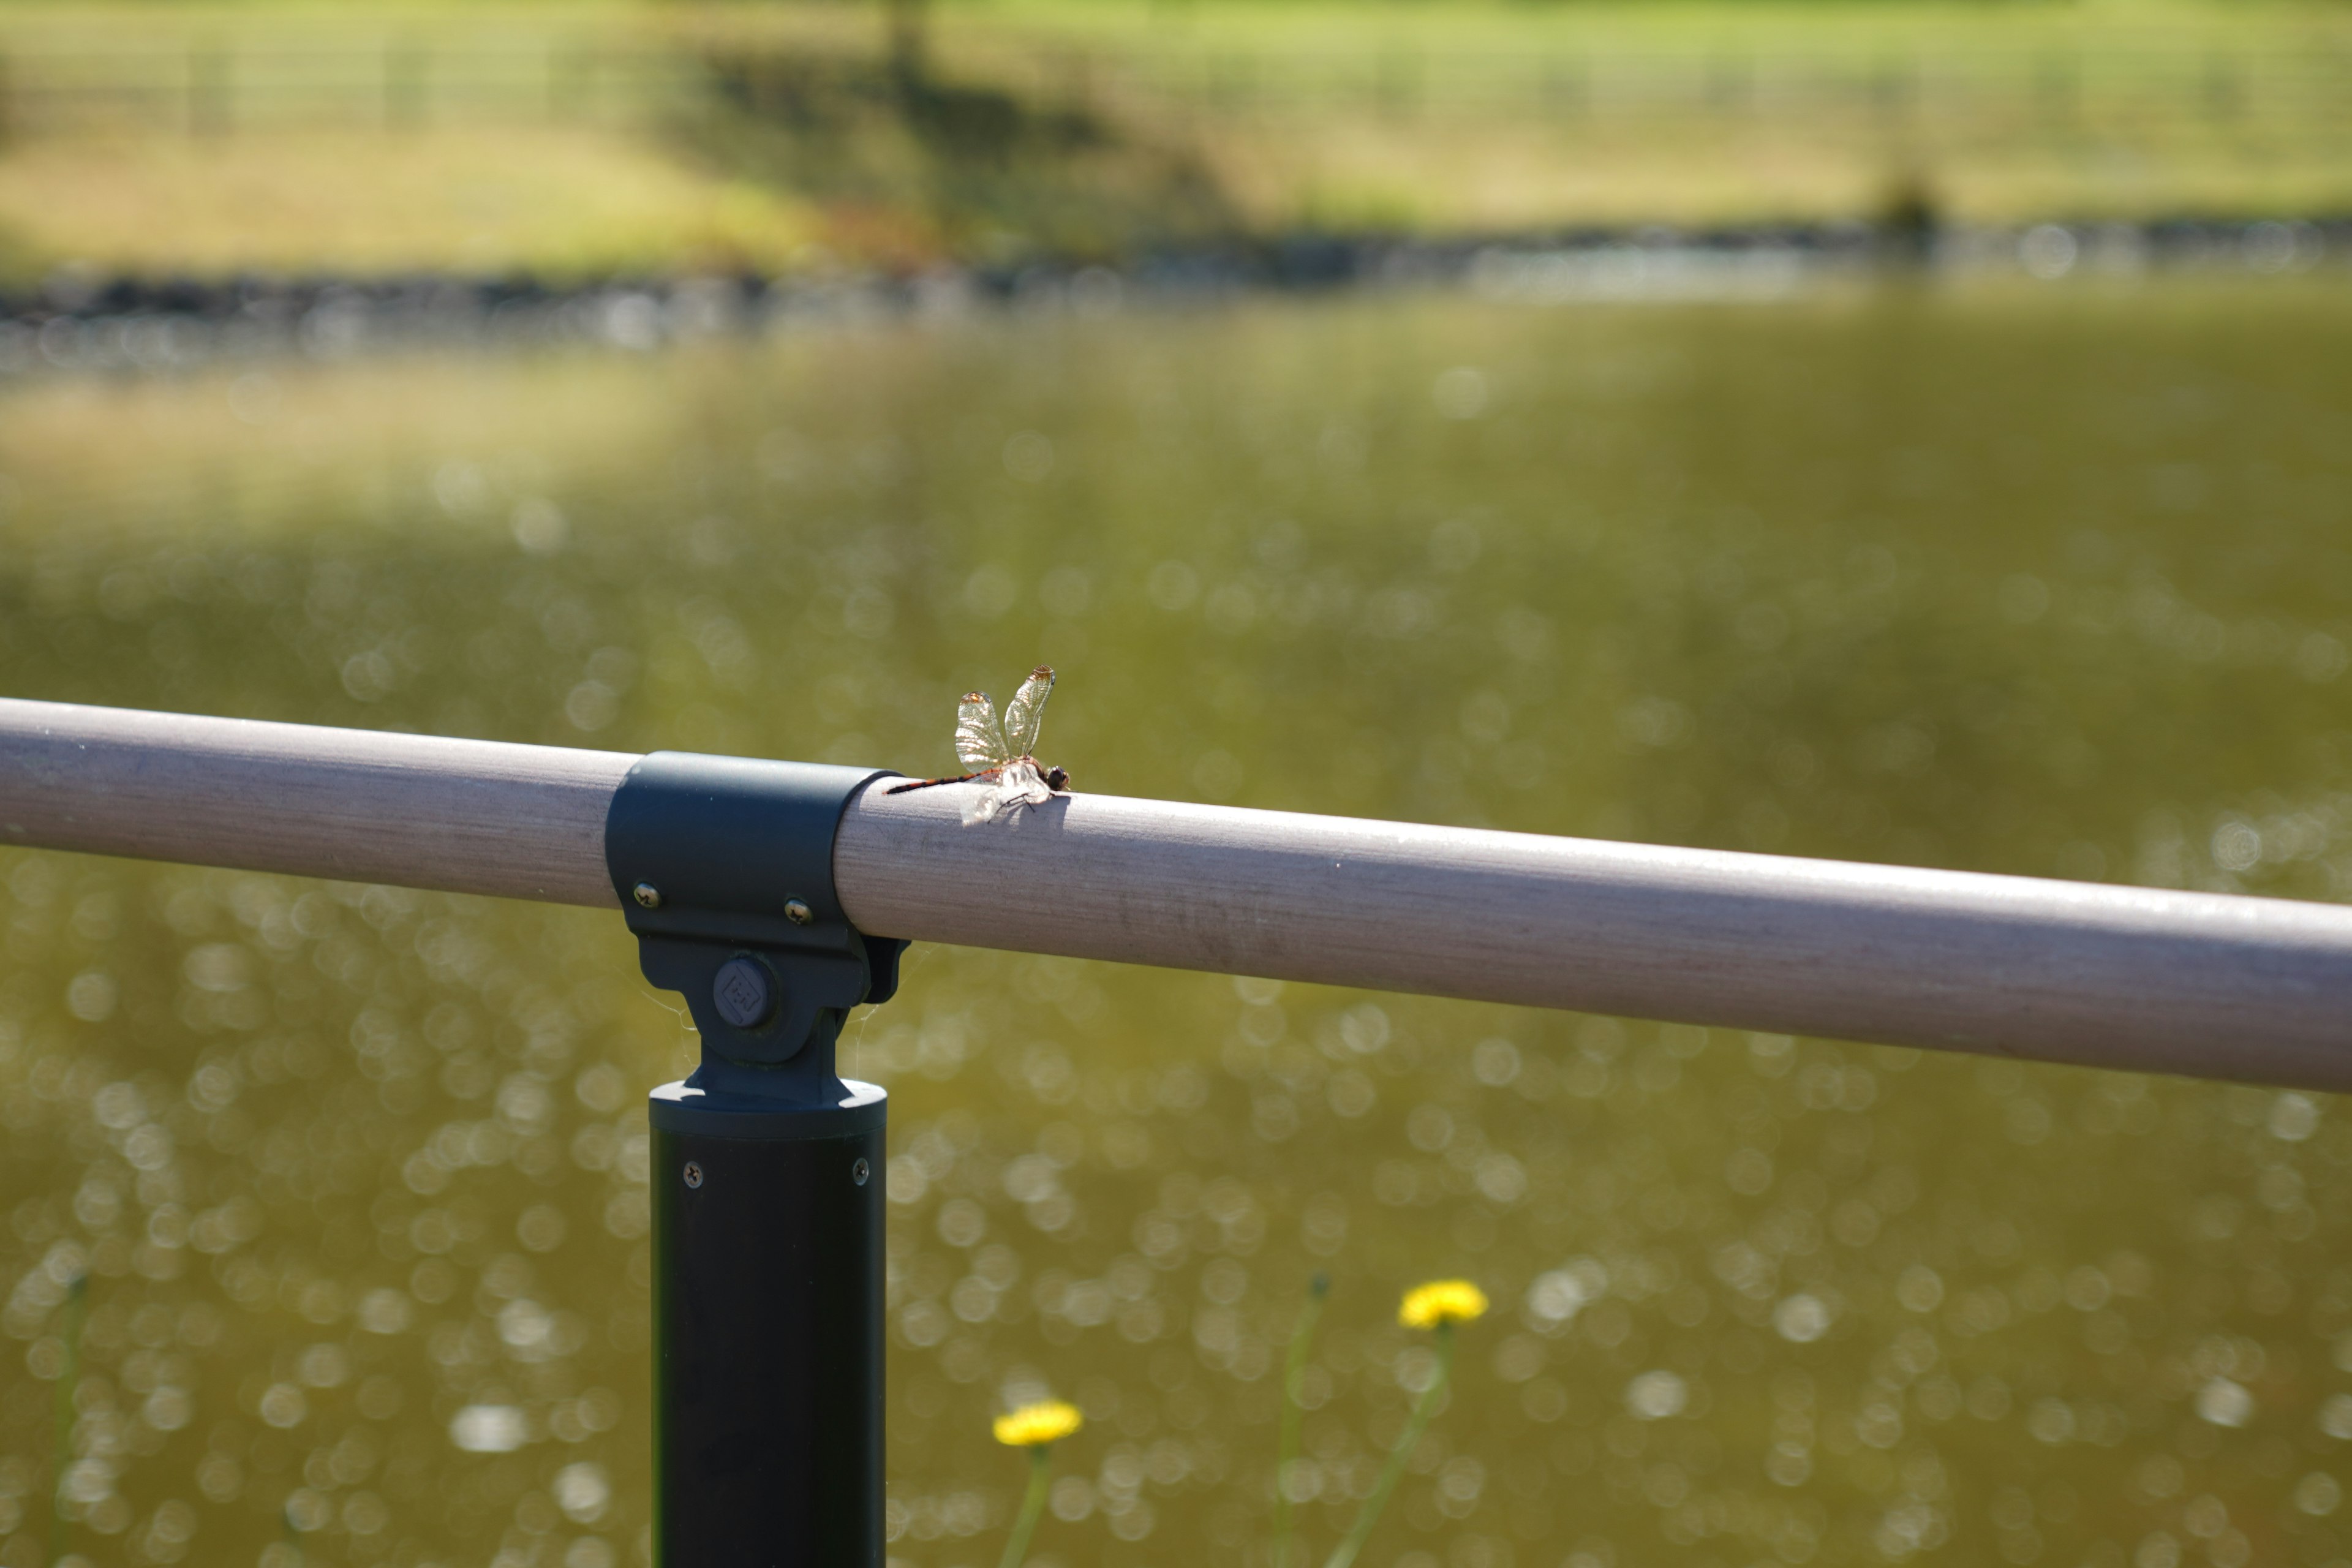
[[999, 756]]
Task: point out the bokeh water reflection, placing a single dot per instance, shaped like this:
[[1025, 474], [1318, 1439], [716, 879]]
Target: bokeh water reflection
[[2055, 582]]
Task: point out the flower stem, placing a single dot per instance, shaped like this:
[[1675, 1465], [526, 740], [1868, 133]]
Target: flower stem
[[1423, 1410], [1032, 1505], [1294, 1377], [62, 1412]]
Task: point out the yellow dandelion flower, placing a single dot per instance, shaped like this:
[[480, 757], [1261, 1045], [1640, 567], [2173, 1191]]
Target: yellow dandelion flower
[[1033, 1425], [1442, 1301]]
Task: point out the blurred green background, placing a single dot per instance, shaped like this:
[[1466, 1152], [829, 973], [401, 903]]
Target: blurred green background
[[574, 140], [325, 1205]]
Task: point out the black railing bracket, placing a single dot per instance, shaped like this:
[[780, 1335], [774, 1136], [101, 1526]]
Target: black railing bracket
[[724, 867]]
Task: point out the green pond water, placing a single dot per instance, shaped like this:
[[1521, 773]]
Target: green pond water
[[2050, 580]]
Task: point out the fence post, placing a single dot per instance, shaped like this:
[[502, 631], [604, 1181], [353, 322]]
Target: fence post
[[767, 1168], [567, 75], [1891, 91], [407, 67], [1563, 88], [1232, 84], [1730, 82], [581, 102], [210, 91], [2221, 94], [1397, 83], [2058, 86]]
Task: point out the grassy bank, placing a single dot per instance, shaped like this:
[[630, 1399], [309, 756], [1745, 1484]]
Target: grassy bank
[[568, 139]]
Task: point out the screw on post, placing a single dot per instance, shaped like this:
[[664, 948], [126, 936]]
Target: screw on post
[[767, 1269]]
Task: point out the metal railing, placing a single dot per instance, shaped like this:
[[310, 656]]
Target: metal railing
[[2202, 985]]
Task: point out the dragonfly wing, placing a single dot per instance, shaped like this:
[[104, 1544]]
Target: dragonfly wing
[[1026, 712], [980, 744], [1020, 784]]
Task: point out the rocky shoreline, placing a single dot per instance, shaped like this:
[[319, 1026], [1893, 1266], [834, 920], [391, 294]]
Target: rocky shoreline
[[77, 321]]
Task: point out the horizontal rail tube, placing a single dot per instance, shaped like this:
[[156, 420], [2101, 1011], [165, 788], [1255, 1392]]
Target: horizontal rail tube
[[2202, 985], [463, 816], [2199, 983]]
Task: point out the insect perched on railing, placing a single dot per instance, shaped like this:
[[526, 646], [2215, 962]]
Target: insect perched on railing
[[999, 756]]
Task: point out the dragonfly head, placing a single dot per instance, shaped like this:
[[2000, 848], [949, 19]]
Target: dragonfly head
[[1057, 779]]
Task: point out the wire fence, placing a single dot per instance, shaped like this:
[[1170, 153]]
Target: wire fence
[[2038, 90], [219, 88], [2167, 92]]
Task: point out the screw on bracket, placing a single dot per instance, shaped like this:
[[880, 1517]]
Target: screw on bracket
[[742, 994]]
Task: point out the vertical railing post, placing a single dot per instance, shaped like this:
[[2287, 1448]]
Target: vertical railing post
[[768, 1333], [767, 1168]]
